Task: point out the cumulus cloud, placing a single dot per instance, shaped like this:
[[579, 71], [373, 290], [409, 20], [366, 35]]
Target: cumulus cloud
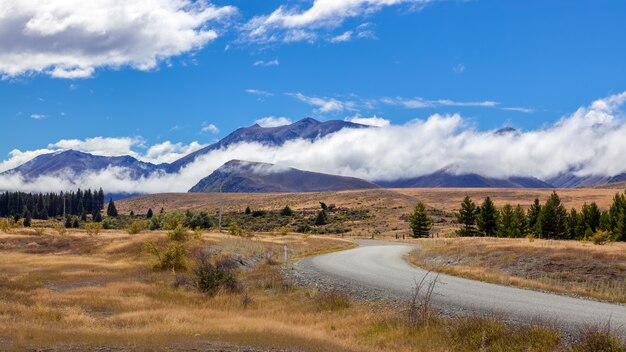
[[294, 23], [272, 121], [72, 38], [588, 142], [168, 152], [325, 105], [370, 121], [211, 128]]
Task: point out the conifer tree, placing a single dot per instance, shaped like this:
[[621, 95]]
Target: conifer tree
[[420, 222], [112, 210], [506, 222], [286, 211], [488, 218], [322, 218], [553, 218], [533, 216], [521, 221], [149, 215], [467, 217], [248, 210], [27, 218]]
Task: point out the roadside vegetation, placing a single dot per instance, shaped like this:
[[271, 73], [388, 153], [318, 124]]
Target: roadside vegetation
[[75, 291]]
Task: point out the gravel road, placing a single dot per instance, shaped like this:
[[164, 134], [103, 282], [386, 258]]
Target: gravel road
[[378, 270]]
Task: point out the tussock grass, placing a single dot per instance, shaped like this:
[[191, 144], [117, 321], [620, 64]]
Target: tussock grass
[[567, 267]]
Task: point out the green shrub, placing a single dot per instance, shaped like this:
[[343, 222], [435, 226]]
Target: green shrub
[[170, 258], [598, 340], [601, 237], [209, 278], [178, 234], [136, 227], [286, 211], [93, 229]]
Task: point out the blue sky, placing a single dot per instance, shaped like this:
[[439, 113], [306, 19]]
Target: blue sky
[[478, 58]]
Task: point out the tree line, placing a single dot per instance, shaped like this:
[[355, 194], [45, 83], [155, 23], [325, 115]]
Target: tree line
[[48, 205], [550, 220]]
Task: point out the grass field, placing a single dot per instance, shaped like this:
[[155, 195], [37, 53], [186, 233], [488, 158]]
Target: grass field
[[77, 292], [569, 267]]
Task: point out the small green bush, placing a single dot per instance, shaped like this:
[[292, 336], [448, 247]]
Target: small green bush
[[211, 277], [136, 227], [601, 237], [170, 258]]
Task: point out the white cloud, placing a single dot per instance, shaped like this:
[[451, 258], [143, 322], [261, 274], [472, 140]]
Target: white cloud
[[370, 121], [259, 92], [588, 142], [519, 109], [262, 63], [290, 24], [18, 157], [272, 121], [105, 146], [345, 37], [421, 103], [38, 116], [459, 68], [325, 105], [168, 152], [72, 38], [211, 128]]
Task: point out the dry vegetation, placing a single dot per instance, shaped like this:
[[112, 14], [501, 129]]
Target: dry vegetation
[[572, 267], [80, 293]]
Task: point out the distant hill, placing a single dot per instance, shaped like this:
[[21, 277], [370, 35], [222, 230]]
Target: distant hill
[[238, 176], [78, 162], [308, 129], [569, 180], [443, 179]]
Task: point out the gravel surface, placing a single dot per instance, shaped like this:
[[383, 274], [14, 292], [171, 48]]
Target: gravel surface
[[378, 271]]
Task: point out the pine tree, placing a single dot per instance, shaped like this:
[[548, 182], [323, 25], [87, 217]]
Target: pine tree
[[553, 218], [591, 216], [506, 222], [248, 211], [97, 217], [27, 218], [112, 210], [572, 224], [488, 218], [149, 215], [467, 217], [132, 214], [533, 216], [76, 224], [322, 218], [68, 222], [520, 221], [420, 221]]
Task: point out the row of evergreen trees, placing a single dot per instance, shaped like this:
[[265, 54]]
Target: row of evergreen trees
[[44, 206], [550, 220]]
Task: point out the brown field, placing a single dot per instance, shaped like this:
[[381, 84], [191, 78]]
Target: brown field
[[77, 292], [389, 207], [568, 267]]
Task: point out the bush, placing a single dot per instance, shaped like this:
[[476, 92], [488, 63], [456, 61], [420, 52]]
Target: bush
[[286, 211], [93, 229], [209, 278], [178, 234], [332, 301], [170, 258], [601, 237], [6, 225], [136, 227], [109, 224], [322, 218], [595, 339], [155, 224], [197, 220]]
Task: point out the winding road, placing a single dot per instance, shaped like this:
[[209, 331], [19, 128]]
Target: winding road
[[382, 267]]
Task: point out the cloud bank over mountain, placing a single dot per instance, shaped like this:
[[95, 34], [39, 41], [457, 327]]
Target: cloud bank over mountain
[[588, 142]]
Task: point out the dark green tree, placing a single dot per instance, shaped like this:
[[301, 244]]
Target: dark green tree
[[286, 211], [76, 224], [467, 217], [553, 218], [68, 222], [248, 211], [591, 216], [149, 214], [322, 218], [506, 222], [533, 216], [28, 219], [111, 209], [420, 222], [97, 216], [488, 218]]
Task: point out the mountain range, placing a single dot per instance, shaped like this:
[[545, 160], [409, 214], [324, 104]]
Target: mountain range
[[238, 175]]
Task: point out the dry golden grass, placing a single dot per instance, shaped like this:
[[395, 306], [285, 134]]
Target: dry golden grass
[[571, 267], [84, 292]]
